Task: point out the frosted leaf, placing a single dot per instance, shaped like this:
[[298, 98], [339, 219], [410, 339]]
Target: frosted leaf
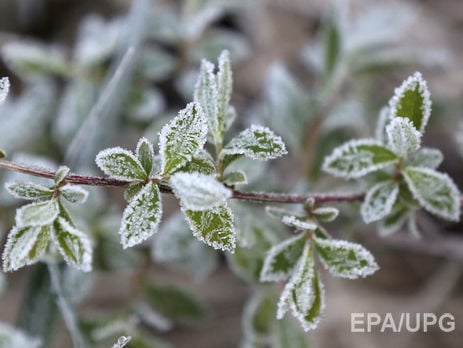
[[199, 191], [73, 193], [120, 164], [141, 217], [25, 246], [258, 318], [393, 222], [213, 227], [357, 158], [279, 213], [28, 190], [235, 178], [282, 259], [122, 341], [379, 200], [436, 192], [256, 142], [145, 155], [37, 213], [383, 121], [304, 293], [403, 138], [202, 163], [182, 138], [345, 259], [11, 337], [4, 88], [61, 174], [299, 224], [412, 100], [224, 90], [426, 157], [326, 214], [73, 245]]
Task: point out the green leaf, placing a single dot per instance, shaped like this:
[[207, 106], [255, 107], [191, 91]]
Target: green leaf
[[379, 200], [357, 158], [199, 191], [304, 293], [345, 259], [28, 190], [202, 163], [175, 303], [72, 244], [25, 246], [37, 214], [426, 157], [182, 138], [120, 164], [259, 317], [403, 138], [4, 88], [325, 214], [256, 142], [141, 217], [214, 227], [412, 100], [281, 259], [235, 178], [436, 192], [61, 174], [73, 193], [145, 155]]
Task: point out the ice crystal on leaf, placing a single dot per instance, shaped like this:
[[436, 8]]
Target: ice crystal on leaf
[[379, 200], [120, 164], [282, 259], [235, 178], [25, 246], [412, 100], [256, 142], [202, 163], [436, 192], [345, 259], [72, 244], [182, 138], [37, 213], [199, 191], [61, 174], [427, 158], [73, 193], [141, 217], [215, 227], [145, 155], [357, 158], [4, 88], [28, 190], [298, 223], [403, 138], [326, 214]]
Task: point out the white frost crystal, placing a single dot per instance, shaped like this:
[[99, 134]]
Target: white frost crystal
[[73, 193], [299, 224], [4, 88], [403, 138], [379, 200]]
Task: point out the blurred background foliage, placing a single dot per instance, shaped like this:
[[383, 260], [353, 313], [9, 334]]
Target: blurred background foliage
[[316, 72]]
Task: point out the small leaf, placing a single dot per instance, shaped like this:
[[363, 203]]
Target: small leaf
[[73, 245], [214, 227], [393, 222], [345, 259], [25, 246], [403, 138], [37, 214], [436, 192], [299, 224], [120, 164], [282, 259], [224, 90], [4, 88], [256, 142], [145, 155], [304, 293], [175, 303], [426, 157], [141, 217], [412, 100], [259, 317], [182, 138], [28, 190], [326, 214], [73, 193], [235, 178], [199, 191], [61, 174], [379, 200], [202, 163], [357, 158]]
